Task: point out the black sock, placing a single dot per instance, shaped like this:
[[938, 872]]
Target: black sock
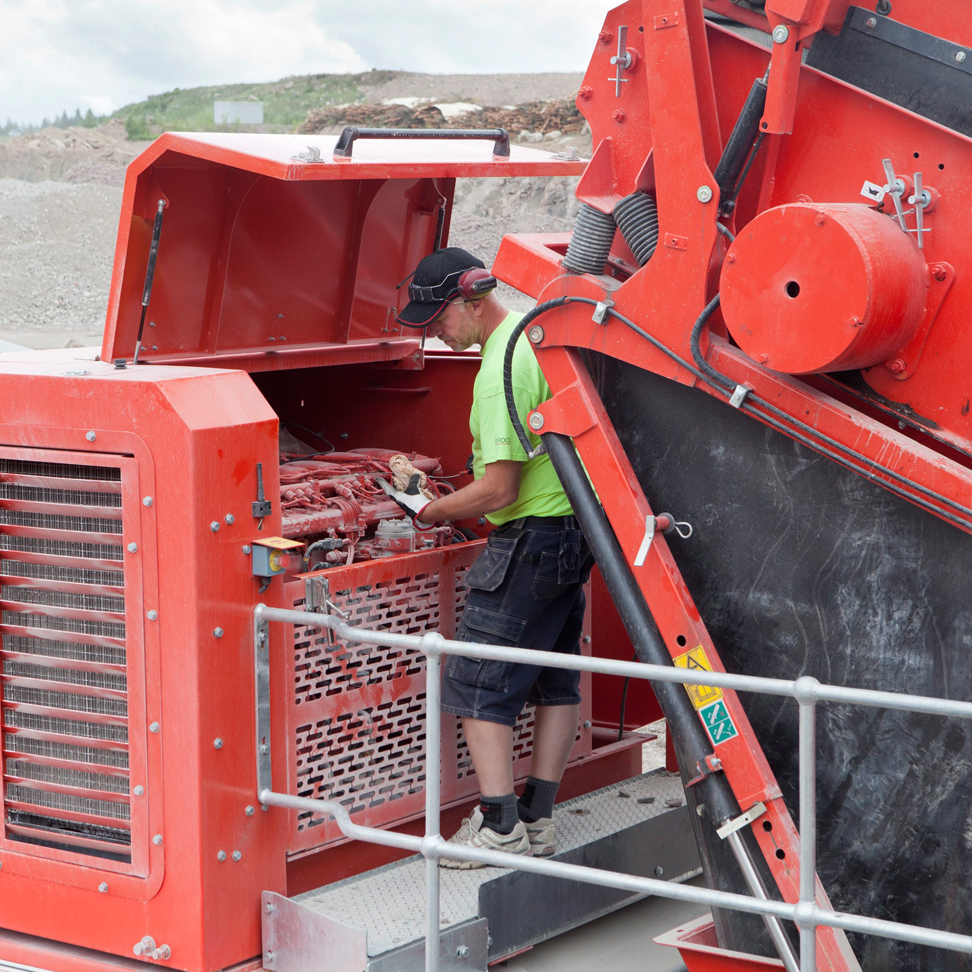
[[537, 800], [499, 813]]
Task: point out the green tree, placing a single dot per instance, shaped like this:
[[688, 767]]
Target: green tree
[[137, 128]]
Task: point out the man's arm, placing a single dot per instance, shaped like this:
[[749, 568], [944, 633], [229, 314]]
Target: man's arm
[[499, 487]]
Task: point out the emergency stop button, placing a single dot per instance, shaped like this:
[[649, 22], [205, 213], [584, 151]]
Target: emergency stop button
[[273, 555], [813, 288]]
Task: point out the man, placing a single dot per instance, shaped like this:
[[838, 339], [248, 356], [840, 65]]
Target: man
[[525, 589]]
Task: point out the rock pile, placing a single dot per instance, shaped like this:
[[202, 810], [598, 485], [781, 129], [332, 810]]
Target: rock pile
[[69, 154], [539, 117]]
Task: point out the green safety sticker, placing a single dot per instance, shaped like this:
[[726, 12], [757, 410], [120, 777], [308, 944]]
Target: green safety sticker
[[718, 723]]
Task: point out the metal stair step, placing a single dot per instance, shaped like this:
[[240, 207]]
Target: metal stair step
[[375, 922]]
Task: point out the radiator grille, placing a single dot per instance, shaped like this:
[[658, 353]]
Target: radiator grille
[[63, 677]]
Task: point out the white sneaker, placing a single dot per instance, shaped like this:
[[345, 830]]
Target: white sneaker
[[472, 833], [543, 837]]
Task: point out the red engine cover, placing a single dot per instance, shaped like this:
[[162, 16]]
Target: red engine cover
[[810, 288]]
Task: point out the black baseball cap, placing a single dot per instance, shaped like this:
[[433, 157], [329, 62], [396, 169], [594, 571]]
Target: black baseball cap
[[434, 283]]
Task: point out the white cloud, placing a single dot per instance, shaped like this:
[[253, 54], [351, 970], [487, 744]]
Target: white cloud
[[103, 54]]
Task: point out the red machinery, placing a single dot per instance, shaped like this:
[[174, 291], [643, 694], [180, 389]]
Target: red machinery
[[815, 430]]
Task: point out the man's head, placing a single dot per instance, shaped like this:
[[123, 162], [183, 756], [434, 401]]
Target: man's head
[[448, 292]]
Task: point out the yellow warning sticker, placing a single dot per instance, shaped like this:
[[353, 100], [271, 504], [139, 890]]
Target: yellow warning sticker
[[700, 695]]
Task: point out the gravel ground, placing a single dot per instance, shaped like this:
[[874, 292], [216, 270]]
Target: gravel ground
[[56, 249]]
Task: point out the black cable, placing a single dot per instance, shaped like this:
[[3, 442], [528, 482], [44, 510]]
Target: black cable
[[624, 702], [789, 424], [723, 383], [312, 455], [317, 435]]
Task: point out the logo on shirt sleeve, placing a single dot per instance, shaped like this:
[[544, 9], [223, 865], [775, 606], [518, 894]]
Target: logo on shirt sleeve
[[505, 440]]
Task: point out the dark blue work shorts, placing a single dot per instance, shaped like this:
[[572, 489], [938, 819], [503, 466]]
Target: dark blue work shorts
[[525, 590]]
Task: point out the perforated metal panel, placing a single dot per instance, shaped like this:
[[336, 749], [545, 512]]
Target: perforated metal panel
[[356, 724], [64, 666]]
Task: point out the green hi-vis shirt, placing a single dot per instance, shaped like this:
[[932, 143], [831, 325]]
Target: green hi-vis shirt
[[494, 437]]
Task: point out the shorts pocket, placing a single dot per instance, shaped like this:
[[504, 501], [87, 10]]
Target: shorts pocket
[[492, 565], [486, 627]]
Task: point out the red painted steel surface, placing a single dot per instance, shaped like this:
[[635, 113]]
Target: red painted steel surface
[[699, 948], [355, 722], [846, 275], [263, 256]]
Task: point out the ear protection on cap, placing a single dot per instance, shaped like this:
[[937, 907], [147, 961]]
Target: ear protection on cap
[[475, 283]]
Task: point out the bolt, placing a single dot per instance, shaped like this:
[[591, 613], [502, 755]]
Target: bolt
[[820, 219], [103, 887], [855, 322], [139, 790], [619, 115], [730, 258], [132, 547], [246, 549], [895, 366], [659, 870], [535, 334], [214, 526], [237, 855], [264, 749], [147, 501], [229, 518], [489, 941], [588, 723], [153, 727], [217, 632], [217, 743], [269, 909], [269, 954], [586, 92], [90, 436], [157, 839], [939, 272], [606, 36], [781, 34], [221, 856], [587, 639], [250, 811], [462, 951], [152, 615], [536, 421], [871, 22], [704, 194], [763, 359], [960, 56]]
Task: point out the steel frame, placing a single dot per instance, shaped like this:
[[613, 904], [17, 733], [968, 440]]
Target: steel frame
[[811, 914]]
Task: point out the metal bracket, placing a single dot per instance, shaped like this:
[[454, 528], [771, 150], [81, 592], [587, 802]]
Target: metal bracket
[[743, 820], [623, 61], [313, 154], [666, 523], [601, 309], [739, 396], [921, 199], [261, 669], [895, 188]]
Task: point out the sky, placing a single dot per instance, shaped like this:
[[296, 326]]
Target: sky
[[58, 55]]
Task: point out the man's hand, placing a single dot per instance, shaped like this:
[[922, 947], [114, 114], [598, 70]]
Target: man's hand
[[411, 499]]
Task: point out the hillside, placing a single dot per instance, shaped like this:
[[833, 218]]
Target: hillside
[[287, 102]]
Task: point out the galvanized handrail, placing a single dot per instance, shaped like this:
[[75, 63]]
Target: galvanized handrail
[[807, 691]]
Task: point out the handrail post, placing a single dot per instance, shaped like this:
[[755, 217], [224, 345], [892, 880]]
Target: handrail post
[[805, 692], [433, 753]]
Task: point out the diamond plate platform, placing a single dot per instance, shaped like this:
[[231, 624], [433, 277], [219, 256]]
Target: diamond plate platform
[[376, 921]]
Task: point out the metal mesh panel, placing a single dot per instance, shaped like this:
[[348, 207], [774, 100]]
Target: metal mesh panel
[[104, 680], [80, 602], [70, 575], [58, 521], [17, 718], [27, 745], [73, 497], [59, 470], [62, 548], [55, 715], [107, 629], [66, 801]]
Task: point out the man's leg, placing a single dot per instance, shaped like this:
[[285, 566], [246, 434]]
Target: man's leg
[[491, 749], [554, 732]]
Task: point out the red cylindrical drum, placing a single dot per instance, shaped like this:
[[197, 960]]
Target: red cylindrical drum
[[810, 288]]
